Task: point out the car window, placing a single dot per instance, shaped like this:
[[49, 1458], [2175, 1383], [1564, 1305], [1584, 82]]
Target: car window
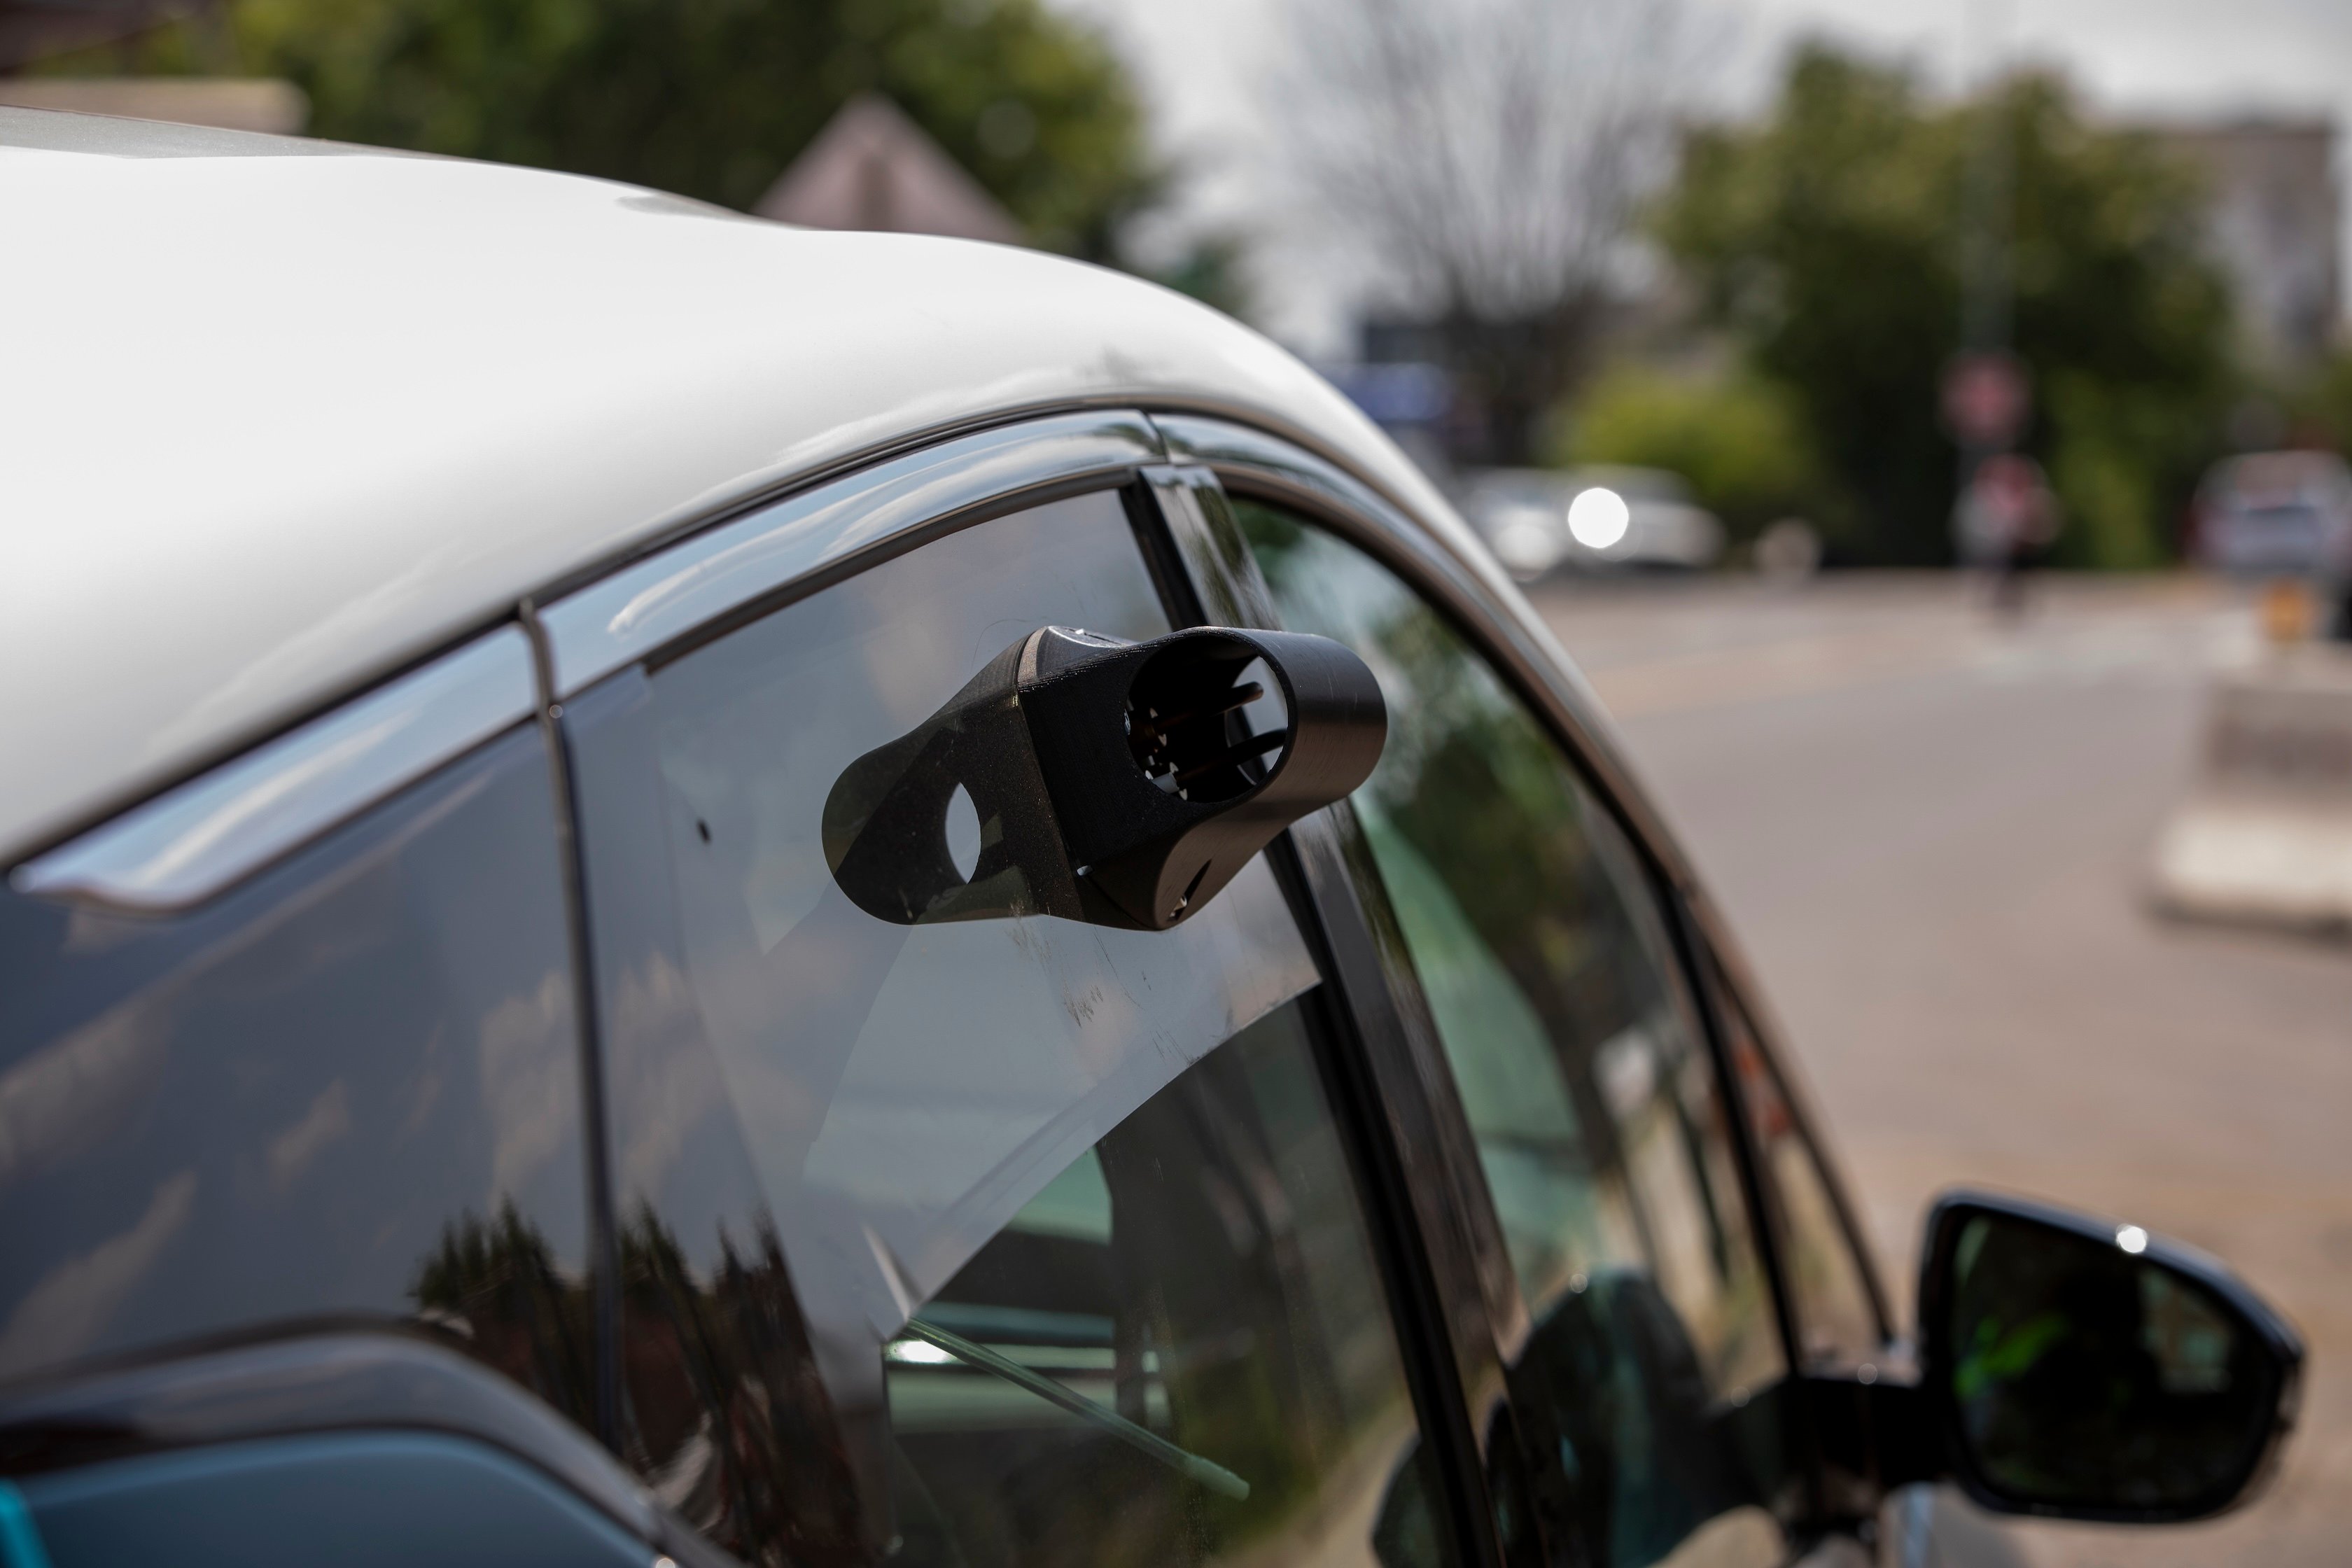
[[1837, 1316], [1202, 1281], [349, 1087], [1596, 1109], [828, 1127]]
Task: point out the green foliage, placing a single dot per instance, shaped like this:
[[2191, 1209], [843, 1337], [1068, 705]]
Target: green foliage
[[2318, 406], [710, 97], [1210, 271], [1829, 238], [2107, 468], [1740, 441]]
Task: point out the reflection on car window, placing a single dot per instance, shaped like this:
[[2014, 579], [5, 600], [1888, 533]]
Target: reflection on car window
[[1176, 1353], [1575, 1053], [349, 1087], [1837, 1321], [821, 1117]]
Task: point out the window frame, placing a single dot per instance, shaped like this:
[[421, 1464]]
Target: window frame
[[1406, 1159]]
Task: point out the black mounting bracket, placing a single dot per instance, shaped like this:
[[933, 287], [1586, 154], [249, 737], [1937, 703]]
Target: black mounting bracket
[[1116, 782]]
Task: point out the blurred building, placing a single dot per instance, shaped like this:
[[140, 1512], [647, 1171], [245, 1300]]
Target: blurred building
[[34, 30], [231, 103], [2274, 219], [873, 168]]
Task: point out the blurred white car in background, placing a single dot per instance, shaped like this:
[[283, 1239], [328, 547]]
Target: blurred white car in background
[[1539, 520], [2277, 513]]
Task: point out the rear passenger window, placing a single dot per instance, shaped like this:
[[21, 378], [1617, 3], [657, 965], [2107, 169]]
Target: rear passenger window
[[1607, 1146], [348, 1087], [972, 1241]]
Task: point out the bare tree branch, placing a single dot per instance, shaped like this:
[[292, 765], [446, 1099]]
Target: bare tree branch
[[1486, 158]]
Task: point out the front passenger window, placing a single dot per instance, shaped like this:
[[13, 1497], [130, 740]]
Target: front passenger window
[[1606, 1145], [969, 1241]]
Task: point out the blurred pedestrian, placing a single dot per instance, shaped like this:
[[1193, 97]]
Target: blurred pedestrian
[[2004, 523]]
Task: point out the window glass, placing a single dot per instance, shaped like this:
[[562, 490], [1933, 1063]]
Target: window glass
[[348, 1087], [1837, 1320], [822, 1120], [1594, 1105], [1176, 1353]]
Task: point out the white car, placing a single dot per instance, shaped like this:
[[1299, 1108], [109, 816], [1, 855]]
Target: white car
[[2277, 513], [682, 891], [1539, 520], [2282, 514]]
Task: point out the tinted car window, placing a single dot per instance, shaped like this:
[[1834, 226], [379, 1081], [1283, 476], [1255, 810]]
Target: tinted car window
[[1202, 1279], [1604, 1139], [349, 1086], [1837, 1316], [822, 1120]]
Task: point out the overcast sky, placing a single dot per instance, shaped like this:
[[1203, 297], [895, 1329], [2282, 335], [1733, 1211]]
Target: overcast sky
[[1203, 62]]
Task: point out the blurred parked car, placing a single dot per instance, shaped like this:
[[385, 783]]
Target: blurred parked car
[[2278, 514], [1539, 520], [686, 891]]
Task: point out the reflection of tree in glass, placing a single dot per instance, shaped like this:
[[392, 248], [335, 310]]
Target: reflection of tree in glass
[[494, 1287], [1594, 1116], [1470, 781], [1227, 1301], [728, 1415], [2056, 1342]]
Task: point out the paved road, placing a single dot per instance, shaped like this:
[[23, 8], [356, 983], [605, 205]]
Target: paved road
[[1931, 831]]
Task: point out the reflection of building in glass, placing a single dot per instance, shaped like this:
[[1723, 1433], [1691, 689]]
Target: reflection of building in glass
[[2273, 221]]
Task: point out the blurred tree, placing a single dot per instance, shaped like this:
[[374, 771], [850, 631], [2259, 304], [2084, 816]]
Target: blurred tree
[[1479, 166], [1209, 267], [1739, 440], [708, 98], [1826, 238], [2318, 407]]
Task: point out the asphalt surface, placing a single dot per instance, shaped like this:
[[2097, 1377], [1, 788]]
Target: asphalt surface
[[1932, 829]]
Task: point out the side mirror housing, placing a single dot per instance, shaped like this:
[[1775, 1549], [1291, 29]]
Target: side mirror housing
[[2075, 1369]]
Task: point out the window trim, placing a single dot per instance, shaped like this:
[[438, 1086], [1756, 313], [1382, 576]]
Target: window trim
[[173, 849], [712, 582], [1368, 1051], [194, 841]]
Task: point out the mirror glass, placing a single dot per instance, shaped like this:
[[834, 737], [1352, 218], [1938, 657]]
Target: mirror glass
[[2088, 1376]]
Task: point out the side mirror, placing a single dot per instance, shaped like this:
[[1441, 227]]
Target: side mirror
[[2082, 1370]]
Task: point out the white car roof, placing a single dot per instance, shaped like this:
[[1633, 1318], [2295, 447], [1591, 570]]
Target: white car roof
[[280, 417]]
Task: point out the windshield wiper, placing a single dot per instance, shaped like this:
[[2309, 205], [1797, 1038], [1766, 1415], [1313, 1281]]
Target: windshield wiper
[[1215, 1477]]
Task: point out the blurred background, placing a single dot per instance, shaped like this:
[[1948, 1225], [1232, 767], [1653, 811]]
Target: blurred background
[[1923, 420]]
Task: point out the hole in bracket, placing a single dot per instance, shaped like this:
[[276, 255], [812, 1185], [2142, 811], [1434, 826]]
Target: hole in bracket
[[963, 827]]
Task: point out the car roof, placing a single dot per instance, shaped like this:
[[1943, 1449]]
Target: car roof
[[282, 417]]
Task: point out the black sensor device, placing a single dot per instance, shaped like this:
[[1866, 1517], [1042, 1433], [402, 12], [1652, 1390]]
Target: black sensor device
[[1116, 782]]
